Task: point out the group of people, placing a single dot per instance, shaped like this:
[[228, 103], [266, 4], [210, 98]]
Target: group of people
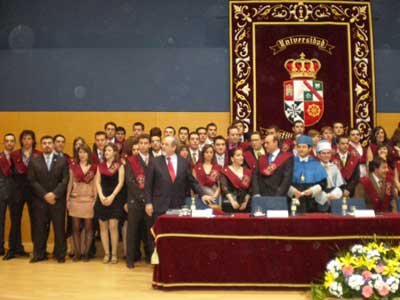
[[119, 187]]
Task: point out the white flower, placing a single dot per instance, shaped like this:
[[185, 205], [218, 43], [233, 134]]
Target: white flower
[[373, 254], [393, 284], [355, 282], [376, 277], [357, 249], [336, 289], [379, 284], [334, 266]]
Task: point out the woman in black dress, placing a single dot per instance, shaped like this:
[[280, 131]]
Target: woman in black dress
[[235, 181], [110, 200]]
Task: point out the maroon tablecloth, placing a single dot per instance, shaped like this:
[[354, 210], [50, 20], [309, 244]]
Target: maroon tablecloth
[[242, 251]]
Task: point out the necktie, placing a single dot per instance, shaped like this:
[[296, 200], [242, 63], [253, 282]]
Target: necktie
[[270, 158], [48, 162], [171, 169], [258, 153], [343, 160], [194, 157]]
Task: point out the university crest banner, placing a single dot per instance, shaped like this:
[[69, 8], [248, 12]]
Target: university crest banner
[[310, 61]]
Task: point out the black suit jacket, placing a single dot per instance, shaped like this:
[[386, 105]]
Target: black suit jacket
[[44, 181], [134, 193], [276, 184], [353, 181], [142, 162], [161, 191]]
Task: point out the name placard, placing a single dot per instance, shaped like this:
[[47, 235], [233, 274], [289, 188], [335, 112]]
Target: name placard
[[202, 213], [363, 213], [277, 214]]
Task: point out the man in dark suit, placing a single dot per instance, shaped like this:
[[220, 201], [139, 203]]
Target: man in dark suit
[[100, 138], [48, 176], [377, 189], [221, 154], [138, 215], [167, 180], [274, 171], [348, 164], [255, 151], [20, 160], [194, 149], [7, 193]]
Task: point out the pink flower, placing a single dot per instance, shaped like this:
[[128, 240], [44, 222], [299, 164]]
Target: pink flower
[[367, 291], [347, 271], [379, 268], [384, 291], [366, 275]]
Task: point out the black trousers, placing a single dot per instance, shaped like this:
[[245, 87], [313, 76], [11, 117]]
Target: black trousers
[[44, 215], [150, 224], [24, 194], [137, 218]]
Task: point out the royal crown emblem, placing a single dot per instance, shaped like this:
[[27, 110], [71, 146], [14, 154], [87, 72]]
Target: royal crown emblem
[[303, 95], [302, 67]]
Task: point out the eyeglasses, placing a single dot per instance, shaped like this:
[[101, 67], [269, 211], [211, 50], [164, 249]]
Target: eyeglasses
[[355, 134]]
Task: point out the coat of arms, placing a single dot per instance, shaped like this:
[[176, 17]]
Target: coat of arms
[[303, 95]]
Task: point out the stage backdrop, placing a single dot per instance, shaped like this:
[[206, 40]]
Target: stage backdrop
[[310, 61]]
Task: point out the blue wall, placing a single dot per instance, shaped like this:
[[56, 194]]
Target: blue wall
[[102, 55]]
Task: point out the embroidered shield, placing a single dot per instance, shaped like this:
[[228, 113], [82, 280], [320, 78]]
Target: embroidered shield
[[303, 96]]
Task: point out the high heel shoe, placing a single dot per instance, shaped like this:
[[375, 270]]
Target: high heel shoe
[[106, 259], [114, 259]]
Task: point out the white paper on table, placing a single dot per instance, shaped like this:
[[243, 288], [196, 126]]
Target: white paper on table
[[202, 213], [362, 213], [277, 214]]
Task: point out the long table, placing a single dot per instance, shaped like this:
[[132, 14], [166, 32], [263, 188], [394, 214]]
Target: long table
[[245, 251]]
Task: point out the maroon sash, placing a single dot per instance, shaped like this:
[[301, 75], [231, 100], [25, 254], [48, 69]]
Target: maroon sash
[[351, 164], [235, 180], [267, 169], [207, 179], [374, 148], [363, 157], [106, 171], [80, 176], [250, 159], [16, 157], [373, 194], [138, 170], [5, 165], [244, 146]]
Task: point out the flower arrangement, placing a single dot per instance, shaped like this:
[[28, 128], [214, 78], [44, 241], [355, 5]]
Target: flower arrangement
[[370, 271]]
